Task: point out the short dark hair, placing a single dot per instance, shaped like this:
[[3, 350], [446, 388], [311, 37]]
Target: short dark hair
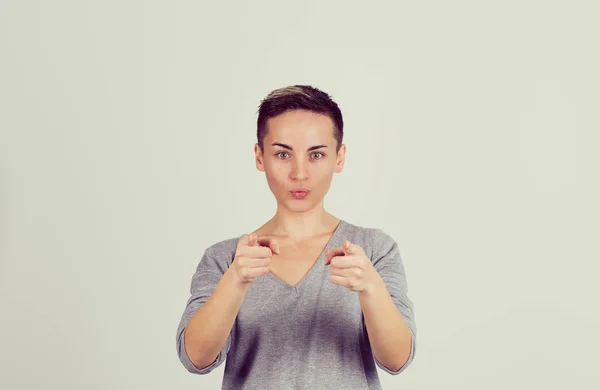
[[298, 97]]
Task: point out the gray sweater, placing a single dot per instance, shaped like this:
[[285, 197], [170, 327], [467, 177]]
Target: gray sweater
[[309, 336]]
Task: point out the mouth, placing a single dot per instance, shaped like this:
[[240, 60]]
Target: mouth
[[299, 193]]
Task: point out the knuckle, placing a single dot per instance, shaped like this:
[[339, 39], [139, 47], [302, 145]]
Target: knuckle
[[261, 252], [265, 252]]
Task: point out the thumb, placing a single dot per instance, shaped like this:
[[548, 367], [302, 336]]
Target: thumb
[[330, 253], [252, 239], [347, 247]]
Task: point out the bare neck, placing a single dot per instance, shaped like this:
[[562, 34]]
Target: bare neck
[[299, 226]]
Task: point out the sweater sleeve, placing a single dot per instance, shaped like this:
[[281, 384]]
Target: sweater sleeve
[[208, 274], [387, 261]]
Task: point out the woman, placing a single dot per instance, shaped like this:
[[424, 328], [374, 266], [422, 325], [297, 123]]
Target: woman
[[307, 301]]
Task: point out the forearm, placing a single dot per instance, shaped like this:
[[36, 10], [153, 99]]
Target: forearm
[[389, 336], [208, 329]]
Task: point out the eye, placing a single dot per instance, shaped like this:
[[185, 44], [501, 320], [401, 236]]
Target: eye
[[283, 155], [317, 155]]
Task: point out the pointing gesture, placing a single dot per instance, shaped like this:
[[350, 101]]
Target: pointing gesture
[[350, 267], [253, 257]]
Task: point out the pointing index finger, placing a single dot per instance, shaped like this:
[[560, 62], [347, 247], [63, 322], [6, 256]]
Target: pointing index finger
[[330, 253], [269, 243]]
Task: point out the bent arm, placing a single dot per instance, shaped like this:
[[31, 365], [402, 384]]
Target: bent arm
[[204, 332], [208, 329], [388, 312], [389, 336]]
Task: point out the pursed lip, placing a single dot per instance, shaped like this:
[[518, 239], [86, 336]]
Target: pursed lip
[[299, 190]]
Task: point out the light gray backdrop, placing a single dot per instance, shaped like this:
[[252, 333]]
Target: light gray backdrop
[[127, 130]]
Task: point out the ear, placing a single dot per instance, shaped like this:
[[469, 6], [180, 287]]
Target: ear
[[259, 158], [341, 158]]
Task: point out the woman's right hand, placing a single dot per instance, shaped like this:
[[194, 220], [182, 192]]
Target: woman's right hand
[[253, 257]]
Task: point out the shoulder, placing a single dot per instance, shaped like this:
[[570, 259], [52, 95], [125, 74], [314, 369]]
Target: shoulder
[[219, 256], [373, 240], [224, 246]]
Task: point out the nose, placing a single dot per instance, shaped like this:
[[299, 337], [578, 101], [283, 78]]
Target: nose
[[299, 170]]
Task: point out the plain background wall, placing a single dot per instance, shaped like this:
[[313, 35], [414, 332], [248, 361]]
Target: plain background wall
[[127, 131]]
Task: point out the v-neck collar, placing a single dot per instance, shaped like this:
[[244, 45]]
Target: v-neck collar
[[334, 241]]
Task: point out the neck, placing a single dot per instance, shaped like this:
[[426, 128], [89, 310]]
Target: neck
[[298, 226]]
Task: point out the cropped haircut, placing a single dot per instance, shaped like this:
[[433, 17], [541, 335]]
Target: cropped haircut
[[298, 97]]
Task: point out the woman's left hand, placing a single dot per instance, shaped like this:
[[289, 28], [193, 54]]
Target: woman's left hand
[[351, 268]]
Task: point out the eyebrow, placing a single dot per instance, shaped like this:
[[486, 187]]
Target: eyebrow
[[290, 148]]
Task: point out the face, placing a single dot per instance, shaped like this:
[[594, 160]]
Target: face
[[299, 158]]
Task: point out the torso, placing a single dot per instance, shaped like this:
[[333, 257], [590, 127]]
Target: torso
[[294, 324], [296, 258]]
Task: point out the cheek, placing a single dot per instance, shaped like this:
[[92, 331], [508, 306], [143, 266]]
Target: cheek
[[276, 174], [323, 176]]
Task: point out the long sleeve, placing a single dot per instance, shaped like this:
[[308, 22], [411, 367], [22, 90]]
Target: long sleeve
[[388, 263], [208, 274]]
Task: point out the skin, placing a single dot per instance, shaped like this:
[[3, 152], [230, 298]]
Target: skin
[[299, 152]]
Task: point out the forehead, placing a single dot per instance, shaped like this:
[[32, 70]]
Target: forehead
[[301, 126]]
